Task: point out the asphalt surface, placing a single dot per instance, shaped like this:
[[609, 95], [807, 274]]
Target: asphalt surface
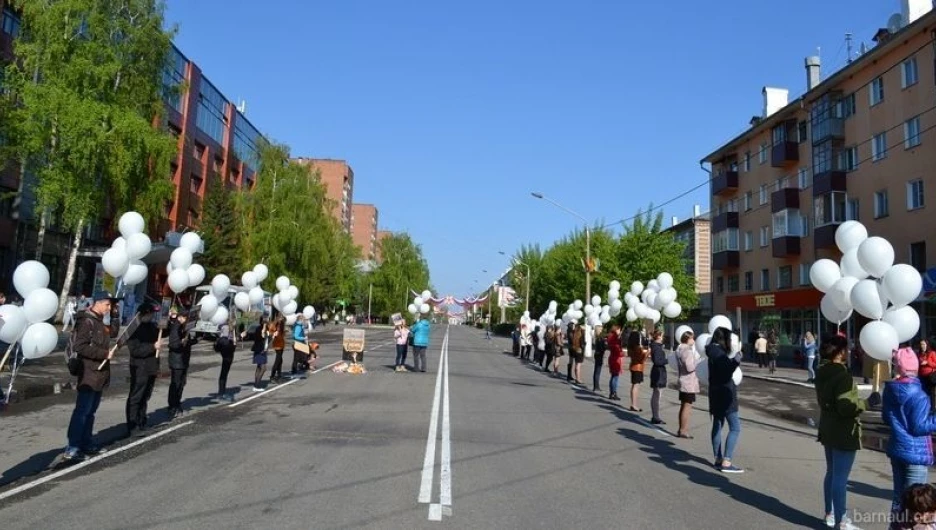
[[526, 451]]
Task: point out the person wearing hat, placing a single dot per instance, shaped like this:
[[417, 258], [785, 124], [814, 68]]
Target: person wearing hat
[[180, 351], [143, 344], [91, 345], [906, 410]]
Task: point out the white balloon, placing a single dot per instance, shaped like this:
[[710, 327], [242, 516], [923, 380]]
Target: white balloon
[[178, 280], [40, 305], [578, 305], [588, 310], [249, 279], [682, 330], [418, 301], [666, 296], [262, 271], [277, 302], [291, 319], [631, 315], [616, 306], [605, 318], [636, 288], [831, 311], [308, 311], [424, 308], [120, 243], [737, 376], [242, 301], [876, 255], [577, 314], [653, 285], [665, 280], [131, 223], [849, 235], [412, 309], [841, 292], [136, 273], [824, 273], [169, 268], [735, 344], [282, 283], [902, 284], [220, 317], [196, 274], [220, 285], [866, 299], [180, 258], [613, 295], [905, 320], [615, 285], [39, 340], [427, 294], [701, 342], [553, 306], [293, 292], [209, 304], [138, 246], [651, 298], [672, 310], [851, 267], [719, 321], [255, 295], [191, 241], [879, 340], [291, 308], [654, 315], [115, 262], [631, 299], [596, 301]]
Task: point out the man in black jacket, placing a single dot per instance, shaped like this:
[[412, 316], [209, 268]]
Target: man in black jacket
[[180, 352], [144, 344]]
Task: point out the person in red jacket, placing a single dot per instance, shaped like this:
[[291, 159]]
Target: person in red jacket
[[927, 357], [615, 359]]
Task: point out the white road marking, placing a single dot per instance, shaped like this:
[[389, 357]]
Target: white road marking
[[425, 487], [88, 462], [258, 394], [435, 512], [445, 472]]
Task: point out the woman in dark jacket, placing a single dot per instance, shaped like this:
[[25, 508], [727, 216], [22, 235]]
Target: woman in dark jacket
[[225, 345], [600, 345], [259, 350], [657, 375], [723, 398], [180, 353], [839, 427]]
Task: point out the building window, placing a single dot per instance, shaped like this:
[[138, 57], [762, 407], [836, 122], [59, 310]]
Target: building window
[[195, 184], [725, 240], [747, 161], [764, 236], [765, 279], [748, 199], [762, 156], [879, 146], [918, 255], [10, 23], [785, 277], [749, 240], [829, 208], [876, 93], [908, 73], [211, 112], [748, 281], [880, 204], [845, 107], [803, 129], [787, 223], [851, 210], [848, 158], [782, 183], [733, 284], [763, 194], [246, 140], [173, 79], [803, 178], [804, 273], [720, 284], [912, 132], [915, 194]]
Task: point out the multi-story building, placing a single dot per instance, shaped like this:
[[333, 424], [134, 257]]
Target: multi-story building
[[338, 178], [856, 145], [381, 235], [695, 232], [364, 230]]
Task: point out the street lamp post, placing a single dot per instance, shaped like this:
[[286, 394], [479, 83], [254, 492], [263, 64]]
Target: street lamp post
[[587, 241]]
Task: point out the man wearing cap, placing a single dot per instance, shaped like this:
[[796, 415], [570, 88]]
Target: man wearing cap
[[143, 344], [91, 345]]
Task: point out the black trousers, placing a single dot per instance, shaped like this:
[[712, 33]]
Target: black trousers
[[176, 386], [141, 389], [300, 361], [596, 376], [277, 371], [222, 377], [525, 352], [549, 357]]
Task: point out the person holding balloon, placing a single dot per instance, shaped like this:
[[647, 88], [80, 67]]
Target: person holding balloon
[[144, 344], [615, 360], [420, 343], [688, 380], [259, 349], [180, 354], [723, 398], [277, 331]]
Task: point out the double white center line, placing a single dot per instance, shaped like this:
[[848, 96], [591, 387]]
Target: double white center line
[[444, 506]]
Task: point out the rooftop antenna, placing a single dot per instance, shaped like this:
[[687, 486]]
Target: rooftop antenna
[[848, 48], [242, 106], [895, 23]]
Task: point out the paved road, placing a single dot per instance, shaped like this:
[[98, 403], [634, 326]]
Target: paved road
[[513, 448]]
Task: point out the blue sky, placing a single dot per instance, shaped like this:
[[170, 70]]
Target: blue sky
[[451, 113]]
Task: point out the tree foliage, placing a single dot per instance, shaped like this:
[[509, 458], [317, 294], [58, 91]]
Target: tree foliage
[[403, 269], [284, 221], [219, 231]]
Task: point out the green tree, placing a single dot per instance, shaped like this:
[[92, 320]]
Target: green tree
[[219, 231], [403, 269], [87, 87]]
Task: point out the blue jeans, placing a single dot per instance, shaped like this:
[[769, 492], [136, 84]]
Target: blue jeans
[[614, 383], [82, 420], [906, 475], [734, 430], [838, 466], [401, 354], [811, 367]]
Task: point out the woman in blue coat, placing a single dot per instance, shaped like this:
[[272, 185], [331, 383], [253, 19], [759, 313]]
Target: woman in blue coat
[[906, 410]]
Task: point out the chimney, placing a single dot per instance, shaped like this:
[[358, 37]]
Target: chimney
[[813, 72], [696, 211], [675, 220], [911, 10], [774, 99]]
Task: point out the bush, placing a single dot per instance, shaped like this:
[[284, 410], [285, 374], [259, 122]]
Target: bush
[[505, 329]]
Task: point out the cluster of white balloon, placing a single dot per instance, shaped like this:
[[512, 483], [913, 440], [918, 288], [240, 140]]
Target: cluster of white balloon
[[867, 281], [420, 304], [286, 301], [27, 325], [211, 306], [124, 259], [183, 273], [251, 281], [656, 300], [702, 340]]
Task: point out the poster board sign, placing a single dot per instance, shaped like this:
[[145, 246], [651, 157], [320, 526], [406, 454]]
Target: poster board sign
[[353, 340], [397, 319], [164, 306]]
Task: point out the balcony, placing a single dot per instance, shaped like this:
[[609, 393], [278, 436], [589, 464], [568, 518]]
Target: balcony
[[787, 198], [726, 259], [725, 183], [824, 236], [786, 247], [724, 221], [829, 181], [784, 154]]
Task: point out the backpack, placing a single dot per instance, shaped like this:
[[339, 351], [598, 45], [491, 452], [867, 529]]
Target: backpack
[[72, 361]]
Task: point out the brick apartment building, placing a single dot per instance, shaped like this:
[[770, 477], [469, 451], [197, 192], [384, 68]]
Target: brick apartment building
[[695, 232], [338, 178], [856, 145], [364, 230]]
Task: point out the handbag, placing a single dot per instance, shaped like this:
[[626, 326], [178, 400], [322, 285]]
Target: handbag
[[301, 347]]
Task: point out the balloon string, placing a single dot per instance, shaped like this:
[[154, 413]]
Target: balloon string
[[14, 369]]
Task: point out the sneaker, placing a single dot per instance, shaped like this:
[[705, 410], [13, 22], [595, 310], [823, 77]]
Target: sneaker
[[92, 451], [847, 525], [257, 389], [830, 520], [73, 455], [731, 469]]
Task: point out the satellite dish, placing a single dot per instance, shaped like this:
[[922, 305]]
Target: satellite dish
[[894, 23]]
